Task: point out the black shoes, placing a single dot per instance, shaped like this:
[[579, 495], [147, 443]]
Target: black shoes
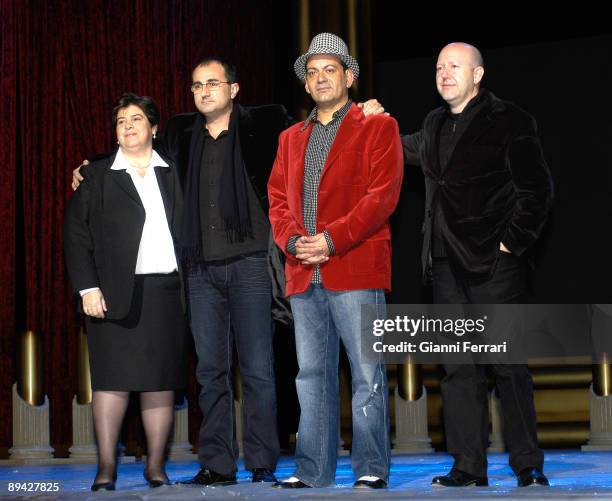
[[458, 478], [263, 475], [291, 485], [532, 476], [209, 477], [379, 483], [155, 482], [103, 486]]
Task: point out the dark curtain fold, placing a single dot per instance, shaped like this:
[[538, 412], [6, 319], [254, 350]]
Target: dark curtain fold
[[64, 63], [8, 160]]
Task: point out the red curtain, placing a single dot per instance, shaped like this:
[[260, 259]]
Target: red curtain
[[8, 161], [64, 63]]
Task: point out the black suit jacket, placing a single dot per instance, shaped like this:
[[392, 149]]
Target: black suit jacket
[[496, 187], [103, 226], [259, 126]]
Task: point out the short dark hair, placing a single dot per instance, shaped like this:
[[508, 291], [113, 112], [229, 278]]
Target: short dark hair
[[229, 68], [145, 103]]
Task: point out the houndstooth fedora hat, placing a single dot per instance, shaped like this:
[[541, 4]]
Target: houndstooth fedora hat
[[326, 43]]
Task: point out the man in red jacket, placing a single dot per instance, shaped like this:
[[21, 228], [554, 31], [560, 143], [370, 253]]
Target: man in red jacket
[[334, 184]]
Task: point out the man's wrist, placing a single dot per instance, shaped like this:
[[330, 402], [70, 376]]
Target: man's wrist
[[330, 243], [291, 242]]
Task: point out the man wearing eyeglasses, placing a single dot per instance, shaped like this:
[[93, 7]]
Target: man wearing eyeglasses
[[228, 151], [225, 152]]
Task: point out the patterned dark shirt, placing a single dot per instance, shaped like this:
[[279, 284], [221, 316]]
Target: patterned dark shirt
[[320, 142]]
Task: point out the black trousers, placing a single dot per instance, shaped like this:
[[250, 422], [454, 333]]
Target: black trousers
[[464, 387]]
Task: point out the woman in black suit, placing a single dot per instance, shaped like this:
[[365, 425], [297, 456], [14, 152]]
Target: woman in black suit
[[119, 247]]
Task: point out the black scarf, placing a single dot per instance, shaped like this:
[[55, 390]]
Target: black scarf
[[233, 203]]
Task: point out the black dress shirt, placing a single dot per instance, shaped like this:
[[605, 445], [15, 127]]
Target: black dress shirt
[[214, 239]]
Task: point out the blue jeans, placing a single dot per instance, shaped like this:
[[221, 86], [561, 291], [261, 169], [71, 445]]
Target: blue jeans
[[322, 319], [230, 300]]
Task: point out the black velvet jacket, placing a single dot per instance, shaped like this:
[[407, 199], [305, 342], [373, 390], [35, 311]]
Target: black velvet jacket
[[260, 127], [495, 188]]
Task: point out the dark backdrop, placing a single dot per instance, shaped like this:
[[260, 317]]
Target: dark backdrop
[[64, 62], [563, 84]]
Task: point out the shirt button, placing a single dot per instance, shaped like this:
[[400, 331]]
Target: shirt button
[[212, 204], [212, 226], [441, 182]]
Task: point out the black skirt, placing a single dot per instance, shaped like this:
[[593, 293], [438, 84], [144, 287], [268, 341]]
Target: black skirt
[[146, 351]]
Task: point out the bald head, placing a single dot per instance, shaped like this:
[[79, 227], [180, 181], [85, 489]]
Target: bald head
[[459, 71], [469, 52]]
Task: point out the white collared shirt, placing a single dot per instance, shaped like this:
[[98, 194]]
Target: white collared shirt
[[156, 249]]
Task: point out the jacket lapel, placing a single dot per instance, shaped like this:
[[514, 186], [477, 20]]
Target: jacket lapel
[[246, 134], [247, 137], [479, 125], [345, 135], [433, 145], [123, 180], [296, 162], [165, 181]]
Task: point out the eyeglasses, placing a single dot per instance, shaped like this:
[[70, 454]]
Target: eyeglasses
[[133, 120], [197, 87]]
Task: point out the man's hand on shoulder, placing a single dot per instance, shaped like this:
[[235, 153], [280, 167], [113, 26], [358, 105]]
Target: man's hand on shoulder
[[503, 248], [372, 107], [76, 175]]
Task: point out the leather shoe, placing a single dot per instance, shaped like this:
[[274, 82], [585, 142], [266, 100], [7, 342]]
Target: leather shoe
[[209, 477], [531, 476], [263, 475], [458, 478], [103, 486], [291, 485], [379, 483], [155, 482]]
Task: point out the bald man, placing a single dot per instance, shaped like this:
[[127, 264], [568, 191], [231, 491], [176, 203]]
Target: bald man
[[488, 193]]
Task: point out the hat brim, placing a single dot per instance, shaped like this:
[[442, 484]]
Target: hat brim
[[300, 63]]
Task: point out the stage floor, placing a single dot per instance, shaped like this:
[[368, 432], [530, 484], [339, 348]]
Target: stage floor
[[573, 475]]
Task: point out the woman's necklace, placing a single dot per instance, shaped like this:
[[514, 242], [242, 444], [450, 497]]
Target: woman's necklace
[[136, 166]]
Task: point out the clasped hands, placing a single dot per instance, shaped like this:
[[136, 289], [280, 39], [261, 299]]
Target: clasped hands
[[312, 249]]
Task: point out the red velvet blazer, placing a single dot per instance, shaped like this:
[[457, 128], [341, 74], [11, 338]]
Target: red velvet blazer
[[359, 189]]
